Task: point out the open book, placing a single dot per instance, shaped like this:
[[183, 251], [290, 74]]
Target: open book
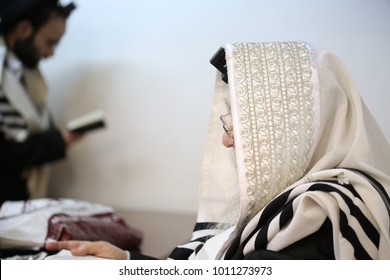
[[87, 122]]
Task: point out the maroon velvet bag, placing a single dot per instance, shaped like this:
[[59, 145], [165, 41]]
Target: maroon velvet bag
[[102, 227]]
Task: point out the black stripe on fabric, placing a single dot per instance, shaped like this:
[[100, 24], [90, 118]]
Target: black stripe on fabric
[[286, 215], [355, 211], [347, 186], [203, 238], [262, 237], [273, 207], [233, 248], [350, 188], [8, 111], [181, 253], [10, 114], [284, 218], [204, 226], [349, 234], [198, 248], [269, 211], [235, 251]]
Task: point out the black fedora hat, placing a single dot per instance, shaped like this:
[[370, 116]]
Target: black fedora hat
[[14, 10]]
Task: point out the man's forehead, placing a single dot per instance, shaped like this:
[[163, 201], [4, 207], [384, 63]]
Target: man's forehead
[[54, 28]]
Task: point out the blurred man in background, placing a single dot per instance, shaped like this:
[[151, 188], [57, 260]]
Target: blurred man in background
[[29, 31]]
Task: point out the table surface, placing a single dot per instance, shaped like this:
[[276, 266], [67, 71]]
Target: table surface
[[162, 231]]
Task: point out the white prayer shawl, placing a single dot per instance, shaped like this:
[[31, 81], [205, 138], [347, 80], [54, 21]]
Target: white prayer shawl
[[300, 127], [32, 107], [19, 219]]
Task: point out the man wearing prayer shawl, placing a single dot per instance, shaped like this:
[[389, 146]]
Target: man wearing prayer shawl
[[309, 175]]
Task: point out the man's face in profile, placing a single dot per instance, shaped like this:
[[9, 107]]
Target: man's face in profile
[[40, 43]]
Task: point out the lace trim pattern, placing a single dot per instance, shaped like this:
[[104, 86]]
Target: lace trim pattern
[[275, 111]]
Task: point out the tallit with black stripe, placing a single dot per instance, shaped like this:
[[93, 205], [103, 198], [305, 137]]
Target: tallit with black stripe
[[310, 165], [299, 212]]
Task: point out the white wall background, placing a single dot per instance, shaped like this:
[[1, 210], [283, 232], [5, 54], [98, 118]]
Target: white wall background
[[146, 64]]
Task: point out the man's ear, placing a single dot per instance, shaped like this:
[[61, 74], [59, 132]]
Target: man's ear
[[23, 29]]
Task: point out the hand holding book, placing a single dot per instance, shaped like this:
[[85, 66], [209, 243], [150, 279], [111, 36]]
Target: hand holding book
[[70, 137], [77, 127]]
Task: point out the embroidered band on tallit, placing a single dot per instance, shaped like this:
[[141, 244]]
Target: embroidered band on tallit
[[271, 88]]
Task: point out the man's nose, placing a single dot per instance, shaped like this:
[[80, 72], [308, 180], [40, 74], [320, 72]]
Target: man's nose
[[49, 52], [227, 141]]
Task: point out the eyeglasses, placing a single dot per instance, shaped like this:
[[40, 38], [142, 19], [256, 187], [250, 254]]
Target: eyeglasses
[[227, 124]]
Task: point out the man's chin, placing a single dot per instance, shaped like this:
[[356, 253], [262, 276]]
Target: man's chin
[[30, 65]]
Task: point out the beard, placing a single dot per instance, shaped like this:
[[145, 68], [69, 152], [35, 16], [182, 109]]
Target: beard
[[26, 52]]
